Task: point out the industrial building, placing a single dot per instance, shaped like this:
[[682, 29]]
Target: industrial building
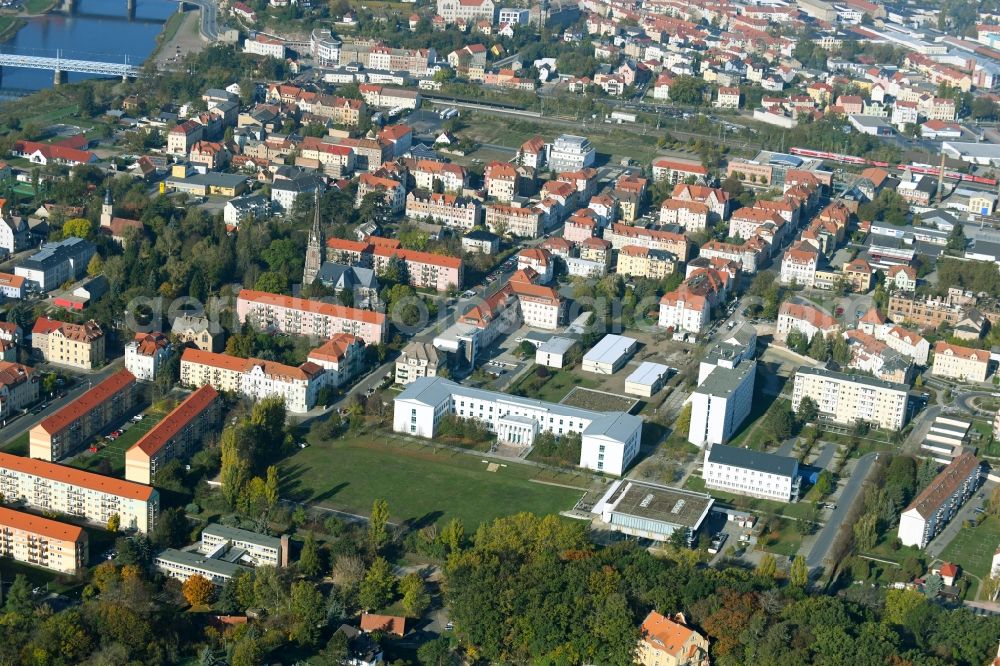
[[609, 355], [647, 379]]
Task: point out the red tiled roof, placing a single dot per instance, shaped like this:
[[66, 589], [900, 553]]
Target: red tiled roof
[[49, 529], [176, 420], [85, 403], [76, 477]]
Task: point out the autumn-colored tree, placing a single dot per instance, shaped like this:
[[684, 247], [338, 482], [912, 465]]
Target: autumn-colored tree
[[730, 620], [114, 522], [768, 567], [415, 596], [377, 533], [198, 590], [78, 226], [799, 574]]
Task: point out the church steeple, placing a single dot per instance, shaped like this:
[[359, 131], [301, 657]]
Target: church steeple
[[107, 209], [314, 249]]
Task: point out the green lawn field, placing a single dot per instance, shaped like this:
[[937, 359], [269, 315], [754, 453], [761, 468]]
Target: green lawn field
[[114, 452], [422, 484], [973, 547]]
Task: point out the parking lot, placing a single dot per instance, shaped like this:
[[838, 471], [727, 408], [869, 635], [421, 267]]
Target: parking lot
[[114, 442]]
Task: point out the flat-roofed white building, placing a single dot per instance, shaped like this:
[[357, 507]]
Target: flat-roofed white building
[[647, 379], [751, 473], [256, 549], [609, 440], [552, 352], [721, 403], [652, 511], [847, 399], [945, 438], [609, 355], [182, 564]]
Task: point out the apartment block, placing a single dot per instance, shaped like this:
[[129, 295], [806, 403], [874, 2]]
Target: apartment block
[[41, 542], [253, 378], [448, 209], [690, 215], [93, 497], [175, 437], [74, 345], [146, 355], [938, 503], [848, 399], [751, 473], [924, 312], [56, 263], [960, 363], [418, 359], [622, 235], [18, 388], [73, 427], [301, 316], [637, 261], [721, 403], [805, 319], [342, 358], [522, 222], [423, 269]]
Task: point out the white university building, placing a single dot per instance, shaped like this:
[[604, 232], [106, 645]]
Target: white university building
[[724, 395], [609, 440], [752, 473]]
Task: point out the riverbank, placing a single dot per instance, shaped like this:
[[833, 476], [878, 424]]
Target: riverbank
[[38, 7], [180, 35], [9, 25]]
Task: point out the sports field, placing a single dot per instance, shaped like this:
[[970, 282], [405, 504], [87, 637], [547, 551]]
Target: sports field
[[422, 483]]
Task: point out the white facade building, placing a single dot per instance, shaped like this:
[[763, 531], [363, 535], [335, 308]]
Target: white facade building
[[721, 403], [146, 355], [752, 473], [609, 440], [848, 399], [571, 153], [933, 508]]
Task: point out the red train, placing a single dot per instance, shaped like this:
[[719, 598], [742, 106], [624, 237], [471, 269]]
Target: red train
[[913, 168]]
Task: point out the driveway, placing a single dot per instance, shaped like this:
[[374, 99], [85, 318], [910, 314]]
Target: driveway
[[824, 540]]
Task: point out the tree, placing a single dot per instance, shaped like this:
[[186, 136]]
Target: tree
[[378, 585], [436, 653], [840, 351], [308, 613], [415, 596], [235, 468], [683, 422], [688, 90], [956, 239], [866, 532], [679, 537], [18, 599], [309, 564], [819, 349], [900, 605], [933, 585], [79, 227], [768, 567], [171, 529], [95, 266], [994, 506], [799, 574], [114, 522], [808, 410], [452, 535], [778, 423], [272, 282], [336, 650], [247, 652], [377, 533], [797, 341], [198, 590]]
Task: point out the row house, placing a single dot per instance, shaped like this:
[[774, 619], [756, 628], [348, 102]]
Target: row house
[[448, 209], [342, 358], [579, 227], [749, 222], [425, 173], [502, 181], [752, 254], [340, 110]]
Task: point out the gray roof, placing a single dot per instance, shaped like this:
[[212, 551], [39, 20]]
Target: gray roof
[[199, 561], [422, 351], [55, 253], [610, 349], [662, 504], [647, 374], [618, 426], [721, 381], [759, 461], [342, 276], [986, 248], [556, 345], [236, 534], [857, 379]]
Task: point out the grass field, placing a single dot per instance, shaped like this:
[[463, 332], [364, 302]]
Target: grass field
[[17, 446], [553, 388], [585, 398], [973, 547], [790, 510], [114, 452], [39, 6], [422, 484]]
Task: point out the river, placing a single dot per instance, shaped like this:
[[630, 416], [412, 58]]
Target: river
[[96, 30]]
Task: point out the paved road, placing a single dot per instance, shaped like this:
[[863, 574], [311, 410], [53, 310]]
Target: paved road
[[209, 18], [28, 421], [964, 399], [821, 547]]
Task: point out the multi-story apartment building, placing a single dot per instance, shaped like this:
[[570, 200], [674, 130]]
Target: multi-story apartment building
[[146, 355], [471, 11], [340, 110], [341, 357], [751, 473], [393, 191], [690, 215], [929, 312], [715, 198], [74, 426], [18, 388], [938, 503], [301, 316], [253, 378], [905, 342], [425, 173], [848, 399], [666, 642], [620, 235], [961, 363], [385, 97], [571, 153], [75, 345], [184, 135], [448, 209], [41, 542], [418, 359], [684, 311], [502, 181], [805, 319], [677, 171], [423, 269], [643, 262], [798, 266], [175, 437], [751, 255], [721, 403], [75, 492], [56, 263], [200, 331], [533, 153], [540, 306], [610, 440], [521, 222]]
